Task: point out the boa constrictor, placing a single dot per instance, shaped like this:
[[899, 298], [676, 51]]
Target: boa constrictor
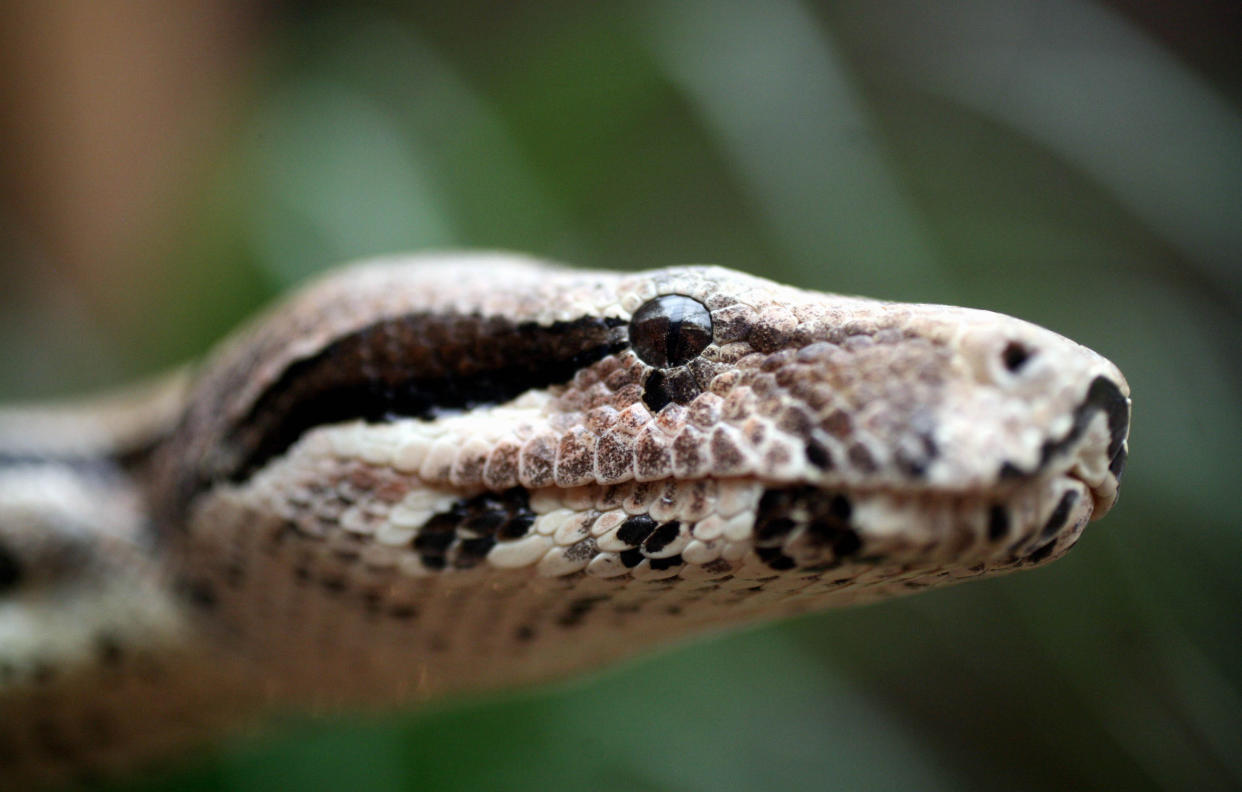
[[462, 472]]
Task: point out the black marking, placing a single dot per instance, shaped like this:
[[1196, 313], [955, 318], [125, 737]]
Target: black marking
[[662, 537], [775, 559], [675, 386], [846, 543], [413, 366], [1107, 397], [775, 503], [1010, 472], [1041, 553], [998, 523], [446, 522], [1118, 465], [836, 534], [840, 507], [476, 549], [773, 529], [1102, 396], [524, 633], [485, 524], [467, 530], [1016, 355], [1060, 514], [516, 527], [670, 330], [434, 542], [631, 558], [818, 455], [11, 572], [826, 517], [433, 562], [666, 563], [772, 521], [636, 529]]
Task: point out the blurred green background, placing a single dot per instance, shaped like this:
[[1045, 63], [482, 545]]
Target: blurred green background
[[1078, 164]]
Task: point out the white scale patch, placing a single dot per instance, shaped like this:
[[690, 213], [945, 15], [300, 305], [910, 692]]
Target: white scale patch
[[576, 529]]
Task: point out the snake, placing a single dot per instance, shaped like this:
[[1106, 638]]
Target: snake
[[459, 472]]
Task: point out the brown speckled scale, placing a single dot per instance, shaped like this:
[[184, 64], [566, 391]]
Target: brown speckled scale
[[463, 472]]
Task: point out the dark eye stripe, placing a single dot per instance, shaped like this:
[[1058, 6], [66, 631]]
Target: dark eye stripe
[[417, 366]]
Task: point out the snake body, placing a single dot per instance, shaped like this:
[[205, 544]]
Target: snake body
[[462, 472]]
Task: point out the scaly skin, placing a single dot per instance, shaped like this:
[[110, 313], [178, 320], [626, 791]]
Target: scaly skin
[[463, 472]]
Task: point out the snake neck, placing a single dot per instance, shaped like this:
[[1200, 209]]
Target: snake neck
[[101, 664]]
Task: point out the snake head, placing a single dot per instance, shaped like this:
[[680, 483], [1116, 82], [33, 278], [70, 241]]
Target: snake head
[[856, 393], [624, 456], [927, 435], [933, 438]]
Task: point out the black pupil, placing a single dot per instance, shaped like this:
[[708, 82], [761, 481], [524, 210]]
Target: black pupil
[[670, 331]]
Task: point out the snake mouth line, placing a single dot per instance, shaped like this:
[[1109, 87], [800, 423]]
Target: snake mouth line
[[1093, 450], [1096, 466]]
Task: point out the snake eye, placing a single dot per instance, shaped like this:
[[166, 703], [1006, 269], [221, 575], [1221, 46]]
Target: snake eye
[[670, 331]]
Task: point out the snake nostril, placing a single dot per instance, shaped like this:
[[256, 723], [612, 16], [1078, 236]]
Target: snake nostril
[[1016, 355]]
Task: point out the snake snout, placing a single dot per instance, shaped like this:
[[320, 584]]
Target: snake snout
[[1101, 458], [1093, 446]]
